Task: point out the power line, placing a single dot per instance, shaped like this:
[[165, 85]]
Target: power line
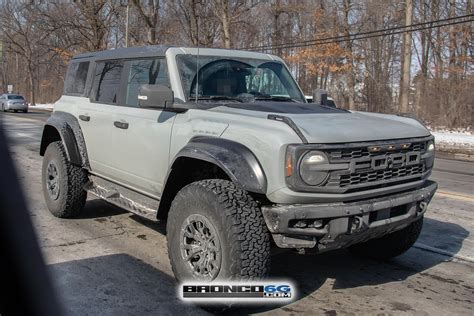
[[375, 31], [370, 34], [325, 42]]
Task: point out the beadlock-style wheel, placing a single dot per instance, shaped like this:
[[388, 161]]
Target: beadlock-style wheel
[[52, 180], [200, 247], [216, 231]]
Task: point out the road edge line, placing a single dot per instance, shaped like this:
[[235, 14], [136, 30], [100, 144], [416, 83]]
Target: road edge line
[[443, 252]]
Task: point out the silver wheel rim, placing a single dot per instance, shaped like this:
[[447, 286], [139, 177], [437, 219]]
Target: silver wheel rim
[[52, 180], [200, 247]]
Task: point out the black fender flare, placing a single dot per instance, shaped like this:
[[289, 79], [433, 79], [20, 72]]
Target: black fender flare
[[236, 160], [70, 132]]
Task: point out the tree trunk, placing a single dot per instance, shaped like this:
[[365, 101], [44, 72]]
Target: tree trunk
[[351, 76], [406, 61], [452, 42], [149, 14], [32, 84], [226, 28]]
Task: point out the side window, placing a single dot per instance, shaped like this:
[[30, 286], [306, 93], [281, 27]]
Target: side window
[[145, 71], [76, 78], [267, 79], [107, 81]]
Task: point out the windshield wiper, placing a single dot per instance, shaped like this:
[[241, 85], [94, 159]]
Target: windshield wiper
[[215, 97], [275, 98]]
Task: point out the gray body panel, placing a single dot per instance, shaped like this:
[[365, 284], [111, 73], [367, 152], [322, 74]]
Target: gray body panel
[[345, 127]]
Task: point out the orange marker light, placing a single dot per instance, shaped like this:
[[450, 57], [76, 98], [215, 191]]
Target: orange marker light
[[288, 165]]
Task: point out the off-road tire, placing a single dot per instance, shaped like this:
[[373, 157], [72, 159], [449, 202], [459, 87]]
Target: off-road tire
[[72, 179], [238, 221], [391, 245], [25, 111]]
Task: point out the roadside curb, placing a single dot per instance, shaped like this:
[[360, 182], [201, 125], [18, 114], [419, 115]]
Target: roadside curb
[[32, 107], [454, 155], [443, 252]]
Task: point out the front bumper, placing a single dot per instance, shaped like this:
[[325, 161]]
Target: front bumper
[[338, 225]]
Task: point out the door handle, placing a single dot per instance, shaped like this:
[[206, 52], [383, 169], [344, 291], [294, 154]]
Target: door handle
[[85, 118], [122, 125]]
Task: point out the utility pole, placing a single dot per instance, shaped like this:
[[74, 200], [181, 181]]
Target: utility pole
[[126, 24], [406, 60]]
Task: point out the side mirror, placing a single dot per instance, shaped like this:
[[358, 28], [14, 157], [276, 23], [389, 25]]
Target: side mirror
[[320, 97], [155, 96], [330, 102]]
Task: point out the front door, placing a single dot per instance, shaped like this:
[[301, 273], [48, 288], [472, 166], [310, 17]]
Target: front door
[[140, 138]]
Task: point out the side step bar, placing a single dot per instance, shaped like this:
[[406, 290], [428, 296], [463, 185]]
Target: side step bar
[[123, 197]]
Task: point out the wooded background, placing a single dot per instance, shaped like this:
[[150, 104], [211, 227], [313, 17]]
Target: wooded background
[[327, 44]]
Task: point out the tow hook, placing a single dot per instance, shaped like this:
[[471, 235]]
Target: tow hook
[[356, 224], [423, 205]]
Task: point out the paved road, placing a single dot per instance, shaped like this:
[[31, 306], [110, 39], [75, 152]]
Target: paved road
[[109, 262]]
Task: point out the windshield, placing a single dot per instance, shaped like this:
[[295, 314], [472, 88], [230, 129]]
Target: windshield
[[15, 97], [239, 79]]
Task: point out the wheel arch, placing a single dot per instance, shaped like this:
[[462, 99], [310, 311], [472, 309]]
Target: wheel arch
[[211, 157], [65, 127]]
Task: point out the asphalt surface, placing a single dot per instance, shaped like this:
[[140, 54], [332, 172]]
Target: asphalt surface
[[110, 262]]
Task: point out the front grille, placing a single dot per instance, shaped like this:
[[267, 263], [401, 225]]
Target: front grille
[[344, 154], [338, 180], [372, 168]]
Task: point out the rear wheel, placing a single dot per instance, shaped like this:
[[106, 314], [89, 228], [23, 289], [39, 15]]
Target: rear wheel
[[391, 245], [25, 111], [63, 183], [217, 231]]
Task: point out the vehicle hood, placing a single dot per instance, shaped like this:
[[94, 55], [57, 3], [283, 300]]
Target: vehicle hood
[[320, 124]]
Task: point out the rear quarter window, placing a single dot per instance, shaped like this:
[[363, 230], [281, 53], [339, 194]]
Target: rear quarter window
[[76, 78]]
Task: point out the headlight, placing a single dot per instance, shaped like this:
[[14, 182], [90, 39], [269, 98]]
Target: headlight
[[430, 147], [310, 168]]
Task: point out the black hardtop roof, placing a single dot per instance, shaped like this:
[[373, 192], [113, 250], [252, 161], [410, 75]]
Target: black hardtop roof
[[130, 52]]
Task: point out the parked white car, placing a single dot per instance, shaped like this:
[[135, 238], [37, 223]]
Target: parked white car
[[13, 102]]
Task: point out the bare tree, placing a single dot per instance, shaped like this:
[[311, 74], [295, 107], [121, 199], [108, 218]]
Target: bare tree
[[148, 10], [229, 13], [406, 60]]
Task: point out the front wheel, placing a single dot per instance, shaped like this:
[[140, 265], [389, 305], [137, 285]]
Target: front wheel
[[217, 231], [63, 183], [391, 245]]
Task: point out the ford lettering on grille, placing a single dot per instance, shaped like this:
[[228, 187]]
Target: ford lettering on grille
[[384, 162]]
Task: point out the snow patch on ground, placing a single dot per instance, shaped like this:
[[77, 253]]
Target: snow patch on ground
[[459, 141], [47, 106]]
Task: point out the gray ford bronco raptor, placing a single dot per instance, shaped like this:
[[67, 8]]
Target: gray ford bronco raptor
[[224, 147]]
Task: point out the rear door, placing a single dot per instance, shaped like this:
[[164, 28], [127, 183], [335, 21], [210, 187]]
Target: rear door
[[140, 138], [96, 116]]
